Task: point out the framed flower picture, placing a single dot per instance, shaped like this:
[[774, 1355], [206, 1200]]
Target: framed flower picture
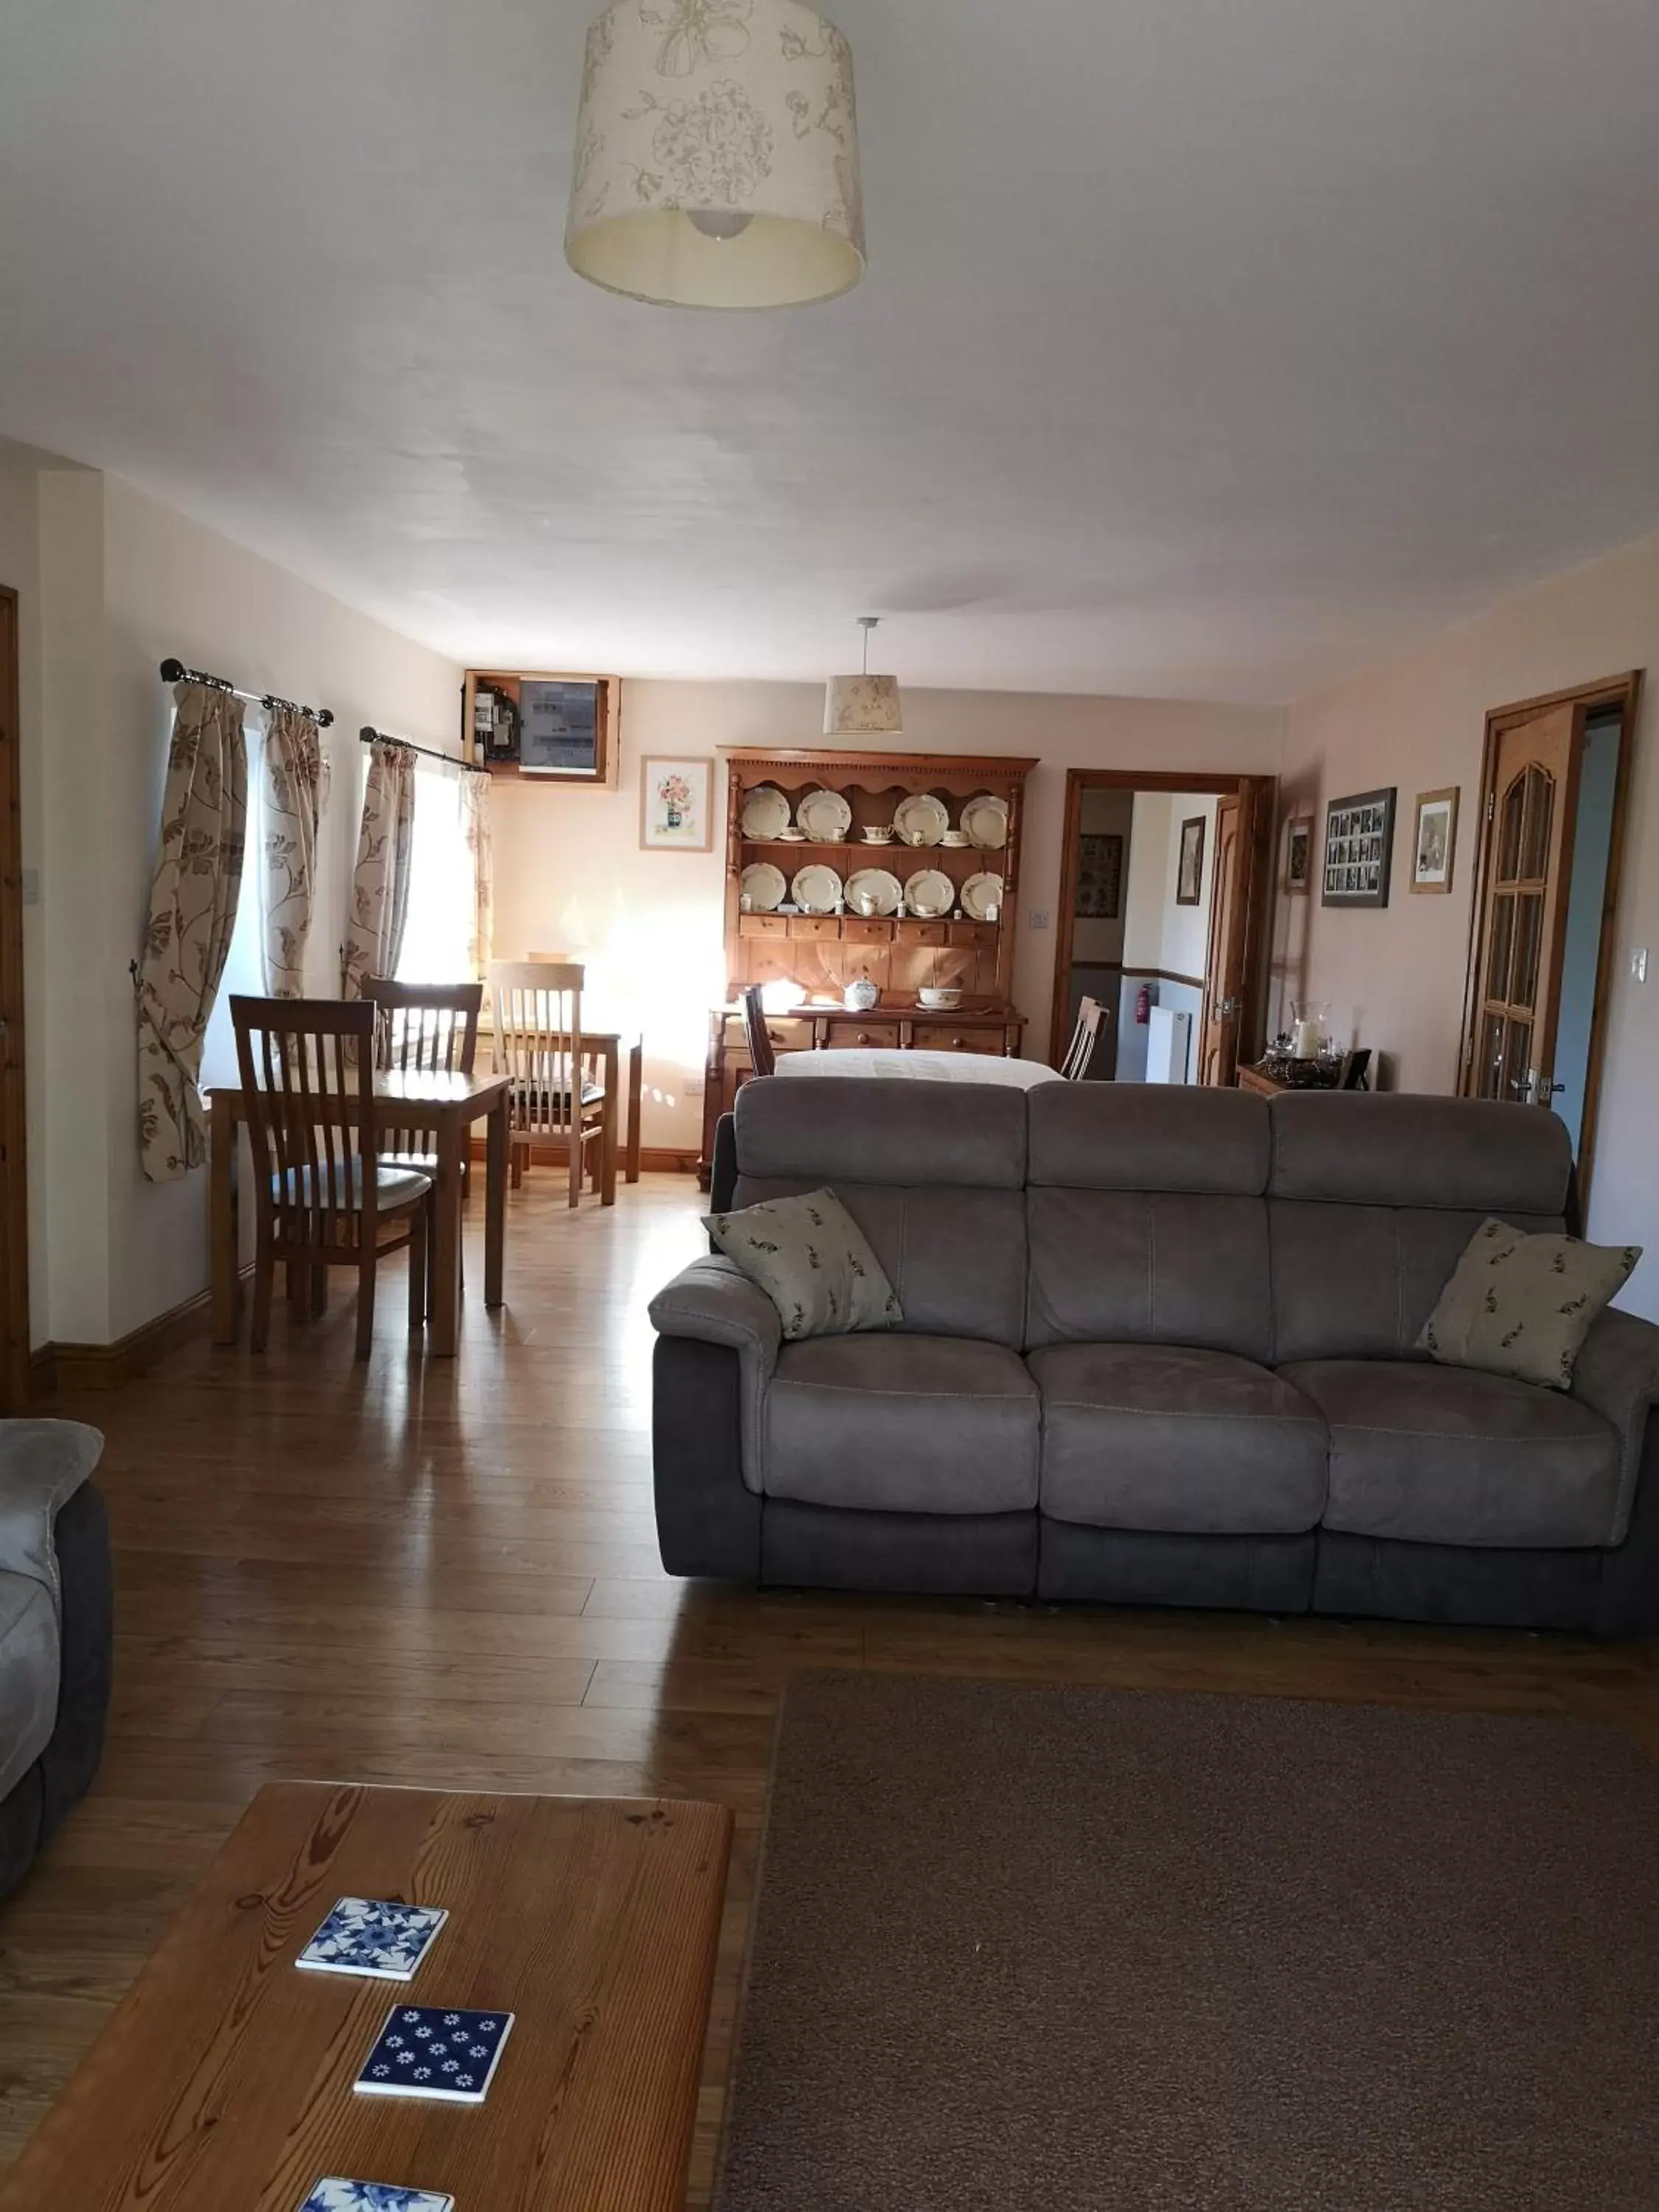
[[677, 809], [1434, 844], [1298, 854]]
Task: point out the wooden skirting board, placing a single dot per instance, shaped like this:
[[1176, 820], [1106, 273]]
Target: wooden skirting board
[[54, 1367], [654, 1159]]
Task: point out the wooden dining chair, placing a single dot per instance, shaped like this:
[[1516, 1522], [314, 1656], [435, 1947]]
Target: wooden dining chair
[[537, 1042], [762, 1056], [323, 1197], [1087, 1040], [423, 1029]]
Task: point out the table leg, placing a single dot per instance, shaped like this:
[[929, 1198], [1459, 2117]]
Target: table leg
[[612, 1113], [635, 1086], [224, 1242], [495, 1203], [446, 1240]]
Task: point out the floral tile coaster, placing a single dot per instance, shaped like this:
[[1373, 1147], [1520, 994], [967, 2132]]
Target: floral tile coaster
[[374, 2197], [425, 2050], [363, 1936]]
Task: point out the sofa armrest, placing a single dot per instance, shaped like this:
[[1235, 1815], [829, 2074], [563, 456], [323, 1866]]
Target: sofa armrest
[[42, 1465], [1617, 1375], [714, 1302]]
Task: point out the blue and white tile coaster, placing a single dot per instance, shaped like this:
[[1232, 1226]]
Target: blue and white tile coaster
[[362, 1936], [374, 2197], [431, 2050]]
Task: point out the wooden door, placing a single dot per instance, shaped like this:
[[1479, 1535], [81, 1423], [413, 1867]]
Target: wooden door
[[1227, 974], [1522, 899]]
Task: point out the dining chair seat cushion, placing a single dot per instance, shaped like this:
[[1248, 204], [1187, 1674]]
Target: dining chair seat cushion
[[545, 1101], [395, 1184]]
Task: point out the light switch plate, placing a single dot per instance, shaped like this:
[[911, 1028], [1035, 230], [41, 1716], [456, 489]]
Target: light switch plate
[[1038, 918], [1638, 963]]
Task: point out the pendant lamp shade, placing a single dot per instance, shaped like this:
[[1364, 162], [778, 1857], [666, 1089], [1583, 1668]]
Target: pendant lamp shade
[[862, 706], [717, 161]]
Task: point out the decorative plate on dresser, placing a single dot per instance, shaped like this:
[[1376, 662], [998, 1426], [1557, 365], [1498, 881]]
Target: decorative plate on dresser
[[981, 897], [763, 886], [825, 817], [817, 890], [921, 819], [929, 895], [985, 820], [881, 889], [765, 813]]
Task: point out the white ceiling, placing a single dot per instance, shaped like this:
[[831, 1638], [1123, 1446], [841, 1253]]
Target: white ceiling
[[1208, 347]]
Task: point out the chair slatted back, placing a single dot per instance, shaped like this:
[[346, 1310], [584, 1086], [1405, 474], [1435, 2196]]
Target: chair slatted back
[[537, 1041], [423, 1028], [307, 1074], [1086, 1041], [762, 1056]]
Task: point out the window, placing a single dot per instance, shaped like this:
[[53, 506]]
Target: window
[[437, 943]]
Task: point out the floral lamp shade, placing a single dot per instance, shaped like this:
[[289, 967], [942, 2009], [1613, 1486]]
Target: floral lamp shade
[[862, 707], [717, 157]]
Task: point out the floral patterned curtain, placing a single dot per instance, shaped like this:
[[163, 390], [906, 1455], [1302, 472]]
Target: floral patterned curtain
[[475, 825], [296, 790], [192, 914], [380, 888]]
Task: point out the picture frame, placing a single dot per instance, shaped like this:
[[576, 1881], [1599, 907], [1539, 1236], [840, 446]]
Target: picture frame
[[1189, 868], [1358, 849], [1099, 876], [1297, 878], [1434, 840], [677, 803]]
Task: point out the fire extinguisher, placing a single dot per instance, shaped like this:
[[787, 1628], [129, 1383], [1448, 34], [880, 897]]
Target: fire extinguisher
[[1144, 1005]]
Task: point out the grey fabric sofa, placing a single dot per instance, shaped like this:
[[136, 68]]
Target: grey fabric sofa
[[1159, 1347], [55, 1631]]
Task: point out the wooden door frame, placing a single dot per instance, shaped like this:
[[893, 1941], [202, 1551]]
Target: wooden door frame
[[1624, 693], [1206, 784], [14, 1378]]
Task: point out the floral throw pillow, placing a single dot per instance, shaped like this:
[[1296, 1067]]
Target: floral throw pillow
[[812, 1260], [1522, 1305]]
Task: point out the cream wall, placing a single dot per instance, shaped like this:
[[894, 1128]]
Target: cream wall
[[570, 877], [118, 581], [1394, 977]]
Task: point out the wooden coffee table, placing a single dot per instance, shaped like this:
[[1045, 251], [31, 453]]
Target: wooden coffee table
[[223, 2083]]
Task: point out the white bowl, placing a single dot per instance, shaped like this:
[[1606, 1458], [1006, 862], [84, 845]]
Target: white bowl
[[938, 1001]]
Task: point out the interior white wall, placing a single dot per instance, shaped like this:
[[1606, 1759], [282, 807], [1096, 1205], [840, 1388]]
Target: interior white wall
[[570, 877]]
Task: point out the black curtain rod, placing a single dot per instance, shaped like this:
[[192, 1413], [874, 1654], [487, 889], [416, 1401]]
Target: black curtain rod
[[368, 735], [174, 672]]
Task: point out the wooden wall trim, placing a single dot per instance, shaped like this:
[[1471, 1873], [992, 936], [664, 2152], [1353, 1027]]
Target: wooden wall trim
[[16, 1367], [654, 1159], [61, 1367]]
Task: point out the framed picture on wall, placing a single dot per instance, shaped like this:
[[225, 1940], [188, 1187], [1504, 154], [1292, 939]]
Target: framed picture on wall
[[1099, 877], [677, 810], [1298, 855], [1189, 869], [1358, 849], [1434, 840]]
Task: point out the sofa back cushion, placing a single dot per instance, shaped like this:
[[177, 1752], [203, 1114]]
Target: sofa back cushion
[[1372, 1200], [933, 1174], [1147, 1217]]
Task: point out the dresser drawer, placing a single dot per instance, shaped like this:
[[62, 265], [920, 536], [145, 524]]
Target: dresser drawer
[[953, 1037], [858, 1034], [762, 924], [856, 930], [786, 1034], [813, 926]]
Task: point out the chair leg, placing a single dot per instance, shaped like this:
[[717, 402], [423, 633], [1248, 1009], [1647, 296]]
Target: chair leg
[[264, 1286], [575, 1150], [299, 1289], [519, 1151], [366, 1273], [319, 1293], [419, 1239]]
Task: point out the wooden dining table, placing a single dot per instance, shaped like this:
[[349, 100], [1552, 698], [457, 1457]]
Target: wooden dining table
[[449, 1106]]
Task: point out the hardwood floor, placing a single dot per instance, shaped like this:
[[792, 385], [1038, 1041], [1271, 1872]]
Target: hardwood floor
[[445, 1574]]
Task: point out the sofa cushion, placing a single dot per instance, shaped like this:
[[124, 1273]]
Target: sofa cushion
[[1149, 1267], [902, 1424], [970, 1134], [1171, 1437], [1445, 1456], [956, 1258], [1138, 1136], [1357, 1282], [1472, 1155]]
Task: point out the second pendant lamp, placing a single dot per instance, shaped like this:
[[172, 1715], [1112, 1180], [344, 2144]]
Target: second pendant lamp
[[863, 706]]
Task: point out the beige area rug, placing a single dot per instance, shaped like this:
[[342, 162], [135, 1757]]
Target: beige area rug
[[1071, 1948]]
